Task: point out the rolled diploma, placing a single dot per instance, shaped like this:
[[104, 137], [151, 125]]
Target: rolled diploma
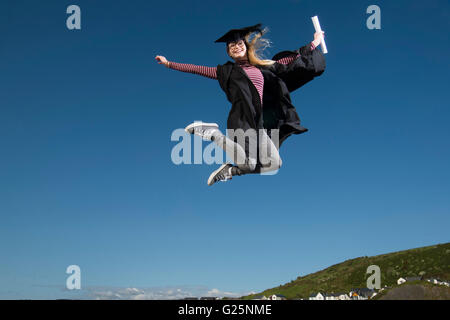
[[316, 24]]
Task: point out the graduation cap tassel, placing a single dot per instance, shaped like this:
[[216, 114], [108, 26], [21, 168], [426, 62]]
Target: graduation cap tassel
[[316, 24]]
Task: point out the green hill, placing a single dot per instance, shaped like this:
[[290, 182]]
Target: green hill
[[418, 290], [431, 261]]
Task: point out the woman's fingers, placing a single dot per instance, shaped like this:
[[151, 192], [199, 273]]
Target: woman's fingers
[[159, 59], [319, 35]]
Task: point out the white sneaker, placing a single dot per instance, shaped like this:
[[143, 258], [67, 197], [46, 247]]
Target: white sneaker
[[221, 174], [202, 129]]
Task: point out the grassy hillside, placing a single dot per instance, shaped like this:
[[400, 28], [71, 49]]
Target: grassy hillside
[[417, 290], [432, 261]]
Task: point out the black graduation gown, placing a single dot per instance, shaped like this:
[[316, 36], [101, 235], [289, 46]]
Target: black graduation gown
[[279, 80]]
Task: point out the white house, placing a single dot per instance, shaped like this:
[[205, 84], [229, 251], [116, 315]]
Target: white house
[[443, 283], [337, 296], [343, 296], [317, 296], [439, 281], [356, 296], [401, 281], [330, 297], [361, 294], [277, 297]]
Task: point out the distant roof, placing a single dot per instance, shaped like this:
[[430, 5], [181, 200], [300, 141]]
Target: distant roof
[[315, 294], [413, 278], [364, 291]]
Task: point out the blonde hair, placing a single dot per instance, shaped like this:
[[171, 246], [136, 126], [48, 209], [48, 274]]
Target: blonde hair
[[255, 47]]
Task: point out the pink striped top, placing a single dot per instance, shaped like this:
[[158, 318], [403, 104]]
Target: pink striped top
[[252, 72]]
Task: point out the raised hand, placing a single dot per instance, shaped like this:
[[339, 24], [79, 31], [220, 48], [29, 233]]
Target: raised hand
[[162, 60], [318, 36]]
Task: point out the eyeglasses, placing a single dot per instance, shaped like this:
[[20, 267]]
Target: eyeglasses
[[240, 43]]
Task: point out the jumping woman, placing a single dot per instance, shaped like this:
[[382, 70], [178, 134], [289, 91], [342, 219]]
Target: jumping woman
[[258, 90]]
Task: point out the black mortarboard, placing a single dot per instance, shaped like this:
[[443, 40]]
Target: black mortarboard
[[238, 34]]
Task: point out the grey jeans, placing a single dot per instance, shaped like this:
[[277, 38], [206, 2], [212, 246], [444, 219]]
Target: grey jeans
[[269, 156]]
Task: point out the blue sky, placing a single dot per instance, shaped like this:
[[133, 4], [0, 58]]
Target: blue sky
[[86, 176]]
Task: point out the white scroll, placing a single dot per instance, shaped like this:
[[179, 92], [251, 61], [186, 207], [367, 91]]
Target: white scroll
[[316, 24]]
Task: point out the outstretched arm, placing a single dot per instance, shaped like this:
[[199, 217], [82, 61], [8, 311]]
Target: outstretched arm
[[291, 58], [209, 72], [303, 65]]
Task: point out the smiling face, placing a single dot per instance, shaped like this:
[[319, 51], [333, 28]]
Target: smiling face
[[237, 50]]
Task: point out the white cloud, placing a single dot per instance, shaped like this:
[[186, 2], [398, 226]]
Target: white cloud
[[158, 293]]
